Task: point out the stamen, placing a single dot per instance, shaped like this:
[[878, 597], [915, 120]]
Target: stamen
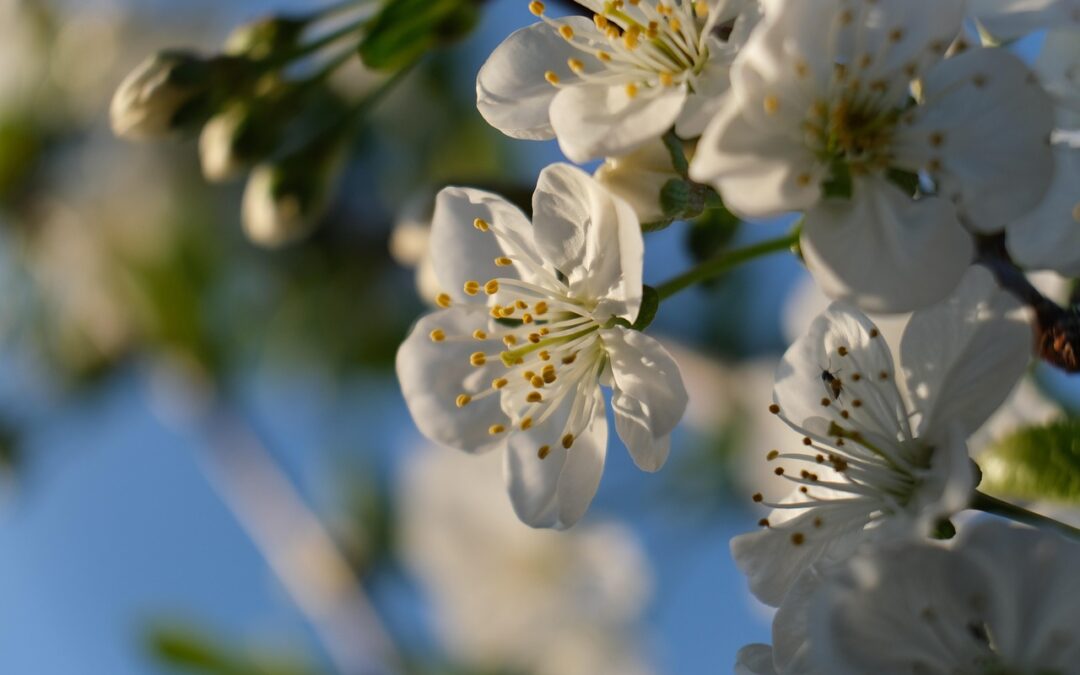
[[544, 451], [496, 429], [478, 359], [567, 441], [463, 400], [536, 7], [438, 335], [472, 287], [442, 300], [481, 224]]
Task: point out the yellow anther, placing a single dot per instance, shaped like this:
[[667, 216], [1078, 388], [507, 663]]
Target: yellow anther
[[534, 338], [537, 382], [536, 7], [540, 308], [601, 21], [613, 32], [499, 383], [496, 429], [547, 369], [528, 374], [463, 400], [442, 300], [534, 397], [771, 105], [575, 65], [478, 359], [526, 423], [472, 287], [438, 335], [479, 334], [544, 451], [507, 312], [566, 31], [630, 38], [551, 77], [509, 340], [603, 56], [701, 8], [521, 304], [653, 30], [526, 318], [492, 287], [567, 360], [667, 79], [675, 24], [631, 90], [567, 441], [544, 355], [503, 262], [481, 224], [496, 312], [543, 331], [663, 9], [804, 179], [549, 376]]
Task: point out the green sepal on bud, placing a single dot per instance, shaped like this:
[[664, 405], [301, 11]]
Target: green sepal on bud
[[267, 37], [175, 91]]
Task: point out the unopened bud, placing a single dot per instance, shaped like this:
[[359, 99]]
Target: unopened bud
[[152, 101], [639, 177], [284, 201], [266, 37]]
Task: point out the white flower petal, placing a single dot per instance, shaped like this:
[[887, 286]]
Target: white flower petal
[[755, 659], [759, 170], [1011, 19], [705, 101], [1058, 67], [595, 120], [844, 342], [900, 610], [433, 374], [885, 251], [1033, 575], [773, 561], [648, 395], [790, 630], [556, 491], [592, 237], [511, 91], [460, 252], [639, 177], [963, 356], [1049, 236], [986, 123]]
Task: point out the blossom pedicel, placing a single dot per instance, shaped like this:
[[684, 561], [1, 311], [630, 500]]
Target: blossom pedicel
[[535, 320]]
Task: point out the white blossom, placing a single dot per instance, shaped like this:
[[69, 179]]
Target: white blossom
[[507, 597], [533, 323], [1058, 68], [881, 456], [822, 114], [147, 102], [639, 177], [607, 86], [1048, 237], [1003, 600]]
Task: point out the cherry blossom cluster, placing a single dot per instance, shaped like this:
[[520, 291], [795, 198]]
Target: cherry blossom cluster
[[904, 134]]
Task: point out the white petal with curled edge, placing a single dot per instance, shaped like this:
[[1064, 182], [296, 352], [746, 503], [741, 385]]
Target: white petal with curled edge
[[773, 561], [755, 659], [705, 101], [648, 395], [592, 237], [511, 91], [900, 609], [460, 252], [760, 171], [884, 251], [555, 492], [845, 342], [1049, 236], [963, 356], [433, 374], [986, 121], [1034, 615], [595, 120], [790, 630]]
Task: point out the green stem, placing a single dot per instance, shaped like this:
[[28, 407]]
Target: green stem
[[986, 503], [329, 39], [725, 262], [337, 8]]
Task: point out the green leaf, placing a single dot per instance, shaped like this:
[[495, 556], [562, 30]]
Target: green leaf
[[1035, 463], [650, 303], [406, 29]]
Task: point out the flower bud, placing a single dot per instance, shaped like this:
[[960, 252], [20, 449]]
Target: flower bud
[[639, 177], [154, 100], [284, 200], [266, 37]]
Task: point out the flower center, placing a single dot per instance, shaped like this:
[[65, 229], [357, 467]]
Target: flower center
[[852, 134], [548, 345], [646, 48]]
